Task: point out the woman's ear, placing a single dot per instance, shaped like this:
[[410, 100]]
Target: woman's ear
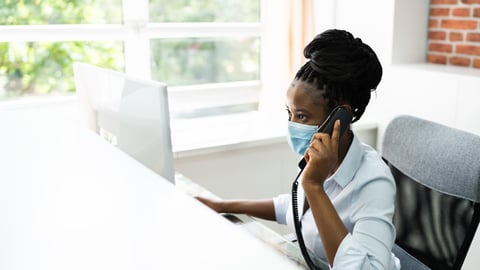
[[347, 107]]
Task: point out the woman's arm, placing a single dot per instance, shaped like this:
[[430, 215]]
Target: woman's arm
[[330, 227], [263, 209]]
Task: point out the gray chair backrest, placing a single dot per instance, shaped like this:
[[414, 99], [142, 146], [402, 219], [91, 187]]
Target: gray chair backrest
[[437, 170]]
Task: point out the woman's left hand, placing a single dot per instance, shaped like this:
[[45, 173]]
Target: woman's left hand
[[321, 157]]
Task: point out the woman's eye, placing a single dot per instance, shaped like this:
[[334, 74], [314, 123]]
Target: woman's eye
[[302, 117]]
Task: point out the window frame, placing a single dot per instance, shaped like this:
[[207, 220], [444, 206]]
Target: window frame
[[136, 32]]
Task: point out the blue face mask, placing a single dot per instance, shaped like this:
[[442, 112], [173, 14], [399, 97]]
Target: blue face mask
[[299, 136]]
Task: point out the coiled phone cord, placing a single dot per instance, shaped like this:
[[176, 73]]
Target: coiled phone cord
[[342, 113], [297, 222]]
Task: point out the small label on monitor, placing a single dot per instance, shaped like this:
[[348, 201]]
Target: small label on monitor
[[108, 136]]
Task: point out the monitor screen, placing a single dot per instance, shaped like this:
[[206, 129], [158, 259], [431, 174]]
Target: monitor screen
[[128, 112]]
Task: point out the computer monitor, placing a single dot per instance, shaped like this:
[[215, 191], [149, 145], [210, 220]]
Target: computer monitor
[[128, 112]]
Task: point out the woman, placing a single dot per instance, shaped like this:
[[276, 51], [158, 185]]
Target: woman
[[347, 192]]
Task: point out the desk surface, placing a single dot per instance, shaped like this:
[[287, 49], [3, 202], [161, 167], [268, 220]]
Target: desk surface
[[249, 224], [68, 200]]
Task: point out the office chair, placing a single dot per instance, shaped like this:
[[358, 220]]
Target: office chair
[[437, 209]]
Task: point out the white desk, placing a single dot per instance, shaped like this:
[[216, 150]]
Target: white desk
[[68, 200]]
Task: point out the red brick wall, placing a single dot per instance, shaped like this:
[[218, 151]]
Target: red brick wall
[[454, 33]]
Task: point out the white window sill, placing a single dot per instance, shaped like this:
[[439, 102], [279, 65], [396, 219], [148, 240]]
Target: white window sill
[[200, 136], [195, 136], [225, 132]]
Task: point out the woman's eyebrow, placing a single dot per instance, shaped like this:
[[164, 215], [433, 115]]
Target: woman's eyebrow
[[302, 111]]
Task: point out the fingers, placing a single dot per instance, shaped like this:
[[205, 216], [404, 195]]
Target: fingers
[[322, 142], [336, 134], [324, 137], [213, 204], [322, 155]]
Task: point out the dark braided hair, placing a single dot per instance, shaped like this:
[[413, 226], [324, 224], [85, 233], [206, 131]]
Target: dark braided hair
[[344, 68]]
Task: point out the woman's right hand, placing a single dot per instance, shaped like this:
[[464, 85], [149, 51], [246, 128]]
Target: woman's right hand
[[215, 204], [263, 209]]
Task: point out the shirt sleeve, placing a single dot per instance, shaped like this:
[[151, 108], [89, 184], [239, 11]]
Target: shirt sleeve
[[369, 244], [281, 204], [358, 258]]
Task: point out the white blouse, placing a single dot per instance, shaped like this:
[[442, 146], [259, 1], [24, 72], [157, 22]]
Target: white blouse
[[362, 191]]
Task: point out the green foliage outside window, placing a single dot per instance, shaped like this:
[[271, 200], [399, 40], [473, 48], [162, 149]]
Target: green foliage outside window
[[37, 68], [201, 60], [30, 68], [190, 61], [45, 68], [40, 12], [205, 10]]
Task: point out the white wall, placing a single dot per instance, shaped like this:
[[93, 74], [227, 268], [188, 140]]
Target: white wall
[[447, 95], [252, 173]]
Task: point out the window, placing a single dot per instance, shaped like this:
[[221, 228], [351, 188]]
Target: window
[[37, 47], [200, 48]]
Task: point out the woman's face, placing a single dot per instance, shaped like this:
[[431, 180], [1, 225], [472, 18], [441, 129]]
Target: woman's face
[[305, 104]]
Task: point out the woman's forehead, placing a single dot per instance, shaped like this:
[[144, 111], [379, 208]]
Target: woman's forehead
[[301, 93]]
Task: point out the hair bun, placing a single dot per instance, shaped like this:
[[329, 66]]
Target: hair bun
[[343, 67], [338, 56]]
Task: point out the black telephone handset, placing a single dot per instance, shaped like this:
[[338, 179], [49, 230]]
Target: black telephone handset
[[339, 113], [345, 117]]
